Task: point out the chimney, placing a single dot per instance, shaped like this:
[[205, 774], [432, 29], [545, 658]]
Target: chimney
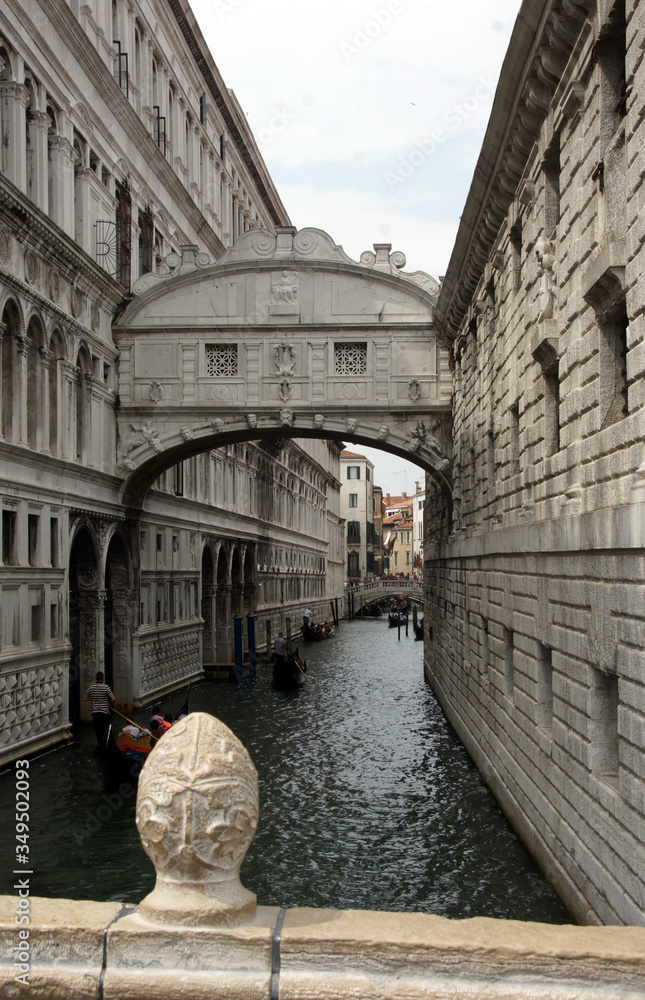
[[405, 495]]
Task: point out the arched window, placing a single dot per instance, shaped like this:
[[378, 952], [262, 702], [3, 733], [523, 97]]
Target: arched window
[[187, 147], [155, 84], [115, 22], [32, 152], [170, 119], [78, 189]]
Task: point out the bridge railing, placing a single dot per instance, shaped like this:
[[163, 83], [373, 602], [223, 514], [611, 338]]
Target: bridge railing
[[201, 932]]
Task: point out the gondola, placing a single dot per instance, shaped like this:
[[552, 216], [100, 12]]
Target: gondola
[[375, 610], [290, 673], [310, 634], [125, 754], [418, 629], [394, 620]]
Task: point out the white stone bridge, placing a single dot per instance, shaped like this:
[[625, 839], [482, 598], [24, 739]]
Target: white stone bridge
[[284, 336], [364, 594]]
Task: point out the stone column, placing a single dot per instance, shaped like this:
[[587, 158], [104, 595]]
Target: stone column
[[42, 424], [70, 375], [20, 387], [14, 98], [223, 625], [61, 191], [124, 609], [82, 220], [209, 614], [38, 123], [91, 620], [3, 333]]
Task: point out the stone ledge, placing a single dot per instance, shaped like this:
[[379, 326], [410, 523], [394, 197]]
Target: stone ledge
[[324, 953]]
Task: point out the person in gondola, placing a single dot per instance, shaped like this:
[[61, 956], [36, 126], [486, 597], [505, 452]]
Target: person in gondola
[[307, 618], [100, 698], [279, 646]]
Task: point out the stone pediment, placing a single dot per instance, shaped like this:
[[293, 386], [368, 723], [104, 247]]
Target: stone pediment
[[286, 277]]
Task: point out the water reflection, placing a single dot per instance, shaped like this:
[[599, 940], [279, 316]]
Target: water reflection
[[367, 798]]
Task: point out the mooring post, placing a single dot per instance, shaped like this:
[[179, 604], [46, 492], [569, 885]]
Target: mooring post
[[237, 638], [250, 631], [414, 615], [268, 633], [336, 603], [407, 622], [398, 627], [288, 631]]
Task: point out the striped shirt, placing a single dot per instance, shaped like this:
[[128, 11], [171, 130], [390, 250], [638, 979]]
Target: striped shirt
[[99, 698]]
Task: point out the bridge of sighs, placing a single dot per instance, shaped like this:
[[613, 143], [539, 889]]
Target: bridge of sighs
[[284, 336]]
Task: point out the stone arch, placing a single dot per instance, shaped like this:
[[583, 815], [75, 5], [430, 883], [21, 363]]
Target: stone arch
[[84, 617], [13, 338], [7, 70]]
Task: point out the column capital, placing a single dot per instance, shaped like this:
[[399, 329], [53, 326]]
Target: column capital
[[16, 90], [70, 371], [45, 356], [3, 329], [23, 344]]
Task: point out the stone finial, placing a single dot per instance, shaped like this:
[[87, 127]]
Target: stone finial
[[197, 812]]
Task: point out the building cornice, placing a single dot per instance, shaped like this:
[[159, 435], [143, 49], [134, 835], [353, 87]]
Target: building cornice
[[543, 39]]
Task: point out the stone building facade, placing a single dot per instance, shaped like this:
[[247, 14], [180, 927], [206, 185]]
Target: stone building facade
[[536, 599], [121, 144], [357, 509]]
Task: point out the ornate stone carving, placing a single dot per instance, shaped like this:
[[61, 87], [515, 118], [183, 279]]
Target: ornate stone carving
[[31, 267], [384, 432], [351, 424], [286, 418], [414, 389], [197, 812], [5, 245], [286, 390], [54, 285], [77, 302], [286, 288], [545, 253], [319, 421], [95, 317], [149, 435], [284, 357], [218, 425], [187, 433], [252, 420], [157, 392]]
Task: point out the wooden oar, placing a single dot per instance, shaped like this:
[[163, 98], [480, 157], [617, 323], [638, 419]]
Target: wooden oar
[[302, 672], [146, 731]]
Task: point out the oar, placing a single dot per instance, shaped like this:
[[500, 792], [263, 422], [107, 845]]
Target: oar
[[146, 731], [302, 672]]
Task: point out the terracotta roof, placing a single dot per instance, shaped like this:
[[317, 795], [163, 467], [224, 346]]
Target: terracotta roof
[[351, 454]]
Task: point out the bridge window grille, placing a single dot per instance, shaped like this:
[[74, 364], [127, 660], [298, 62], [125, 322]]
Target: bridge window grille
[[350, 359], [221, 359]]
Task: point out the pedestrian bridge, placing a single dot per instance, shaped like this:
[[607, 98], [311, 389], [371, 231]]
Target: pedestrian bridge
[[283, 336], [364, 594]]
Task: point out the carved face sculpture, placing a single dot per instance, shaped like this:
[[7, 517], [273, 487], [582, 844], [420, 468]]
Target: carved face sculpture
[[197, 804]]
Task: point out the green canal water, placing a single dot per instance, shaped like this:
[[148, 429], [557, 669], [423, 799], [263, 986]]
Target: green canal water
[[367, 798]]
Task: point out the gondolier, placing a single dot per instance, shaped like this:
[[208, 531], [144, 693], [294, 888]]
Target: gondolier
[[100, 698]]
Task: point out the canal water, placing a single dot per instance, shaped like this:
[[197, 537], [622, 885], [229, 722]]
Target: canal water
[[367, 798]]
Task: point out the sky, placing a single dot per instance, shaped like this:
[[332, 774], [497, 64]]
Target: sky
[[370, 117]]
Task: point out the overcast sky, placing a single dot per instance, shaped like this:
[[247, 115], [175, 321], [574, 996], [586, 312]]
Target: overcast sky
[[370, 117]]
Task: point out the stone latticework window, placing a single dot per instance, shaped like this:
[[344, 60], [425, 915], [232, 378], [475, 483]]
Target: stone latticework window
[[221, 359], [351, 359]]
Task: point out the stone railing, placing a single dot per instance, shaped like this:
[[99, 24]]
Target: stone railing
[[200, 933]]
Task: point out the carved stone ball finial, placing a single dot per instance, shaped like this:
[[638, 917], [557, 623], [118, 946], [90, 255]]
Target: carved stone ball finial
[[197, 812]]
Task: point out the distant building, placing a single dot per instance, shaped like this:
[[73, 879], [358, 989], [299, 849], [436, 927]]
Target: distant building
[[357, 507], [418, 507], [398, 529]]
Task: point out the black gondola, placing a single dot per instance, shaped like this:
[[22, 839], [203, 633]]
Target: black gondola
[[316, 634], [418, 629], [289, 672], [394, 620]]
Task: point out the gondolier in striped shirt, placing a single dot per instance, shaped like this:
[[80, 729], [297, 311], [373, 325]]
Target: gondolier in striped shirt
[[100, 698]]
